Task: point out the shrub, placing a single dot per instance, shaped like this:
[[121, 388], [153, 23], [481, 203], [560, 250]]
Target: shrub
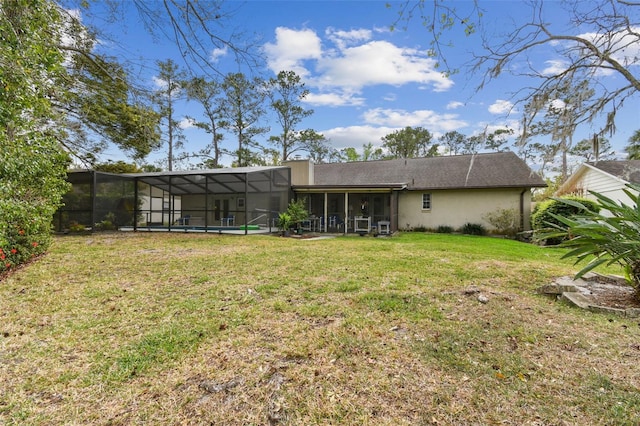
[[32, 164], [611, 238], [444, 229], [544, 216], [420, 228], [505, 221], [473, 229]]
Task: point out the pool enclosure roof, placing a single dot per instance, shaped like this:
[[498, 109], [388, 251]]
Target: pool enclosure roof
[[219, 181]]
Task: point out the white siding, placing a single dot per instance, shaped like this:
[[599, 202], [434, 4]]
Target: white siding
[[602, 183]]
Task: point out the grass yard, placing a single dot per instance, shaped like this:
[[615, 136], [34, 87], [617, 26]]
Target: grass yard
[[168, 329]]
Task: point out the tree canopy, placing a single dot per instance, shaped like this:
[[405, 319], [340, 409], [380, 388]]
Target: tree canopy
[[32, 162], [409, 142]]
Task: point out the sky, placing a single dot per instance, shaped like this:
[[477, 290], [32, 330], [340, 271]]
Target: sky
[[365, 81]]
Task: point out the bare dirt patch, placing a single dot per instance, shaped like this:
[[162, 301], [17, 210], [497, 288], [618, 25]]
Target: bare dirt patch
[[610, 293]]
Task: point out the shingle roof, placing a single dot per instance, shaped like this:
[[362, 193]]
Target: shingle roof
[[628, 170], [494, 170]]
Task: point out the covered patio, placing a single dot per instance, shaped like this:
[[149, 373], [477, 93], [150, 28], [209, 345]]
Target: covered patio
[[348, 208]]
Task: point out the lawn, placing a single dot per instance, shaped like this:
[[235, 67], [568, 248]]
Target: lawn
[[164, 329]]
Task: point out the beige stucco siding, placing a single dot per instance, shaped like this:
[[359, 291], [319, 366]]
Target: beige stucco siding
[[456, 207]]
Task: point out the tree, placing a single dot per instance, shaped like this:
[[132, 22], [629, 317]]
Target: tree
[[32, 161], [497, 140], [172, 80], [560, 106], [608, 32], [117, 167], [316, 144], [286, 93], [100, 108], [243, 109], [453, 141], [438, 17], [369, 153], [472, 144], [587, 150], [410, 142], [633, 147], [350, 154], [207, 93]]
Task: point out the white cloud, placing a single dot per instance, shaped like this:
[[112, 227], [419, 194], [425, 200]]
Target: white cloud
[[346, 38], [430, 120], [622, 44], [555, 67], [186, 123], [379, 62], [454, 105], [501, 106], [355, 62], [334, 99], [217, 54], [356, 136], [291, 49]]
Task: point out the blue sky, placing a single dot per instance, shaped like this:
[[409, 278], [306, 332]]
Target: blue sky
[[366, 81]]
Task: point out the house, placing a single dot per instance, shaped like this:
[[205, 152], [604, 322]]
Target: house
[[384, 196], [608, 178], [417, 192]]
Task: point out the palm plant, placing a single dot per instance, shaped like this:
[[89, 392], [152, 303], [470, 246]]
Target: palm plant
[[610, 237]]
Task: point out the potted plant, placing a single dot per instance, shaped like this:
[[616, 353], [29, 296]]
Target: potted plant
[[284, 223], [298, 213]]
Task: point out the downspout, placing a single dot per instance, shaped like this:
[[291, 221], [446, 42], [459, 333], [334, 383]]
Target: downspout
[[522, 209], [246, 203], [94, 189], [136, 211]]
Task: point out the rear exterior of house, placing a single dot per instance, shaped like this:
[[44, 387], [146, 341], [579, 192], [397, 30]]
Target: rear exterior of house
[[372, 196], [419, 192]]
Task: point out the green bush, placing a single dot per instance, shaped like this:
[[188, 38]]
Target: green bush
[[473, 229], [544, 216], [32, 164], [444, 229]]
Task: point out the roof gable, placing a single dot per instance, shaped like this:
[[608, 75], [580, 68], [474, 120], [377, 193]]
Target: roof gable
[[494, 170], [626, 170]]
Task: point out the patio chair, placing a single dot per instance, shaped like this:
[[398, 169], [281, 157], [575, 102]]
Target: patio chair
[[228, 221], [184, 220]]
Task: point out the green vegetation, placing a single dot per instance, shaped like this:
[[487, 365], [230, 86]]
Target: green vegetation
[[194, 329], [545, 215], [473, 229], [609, 238], [32, 165]]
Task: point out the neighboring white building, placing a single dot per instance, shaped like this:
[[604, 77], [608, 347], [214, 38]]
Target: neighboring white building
[[608, 178]]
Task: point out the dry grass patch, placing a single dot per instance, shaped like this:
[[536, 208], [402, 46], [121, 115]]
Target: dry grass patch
[[210, 329]]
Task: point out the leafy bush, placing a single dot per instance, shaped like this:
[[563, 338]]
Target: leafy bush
[[420, 228], [473, 229], [32, 164], [444, 229], [544, 216], [613, 237], [505, 221]]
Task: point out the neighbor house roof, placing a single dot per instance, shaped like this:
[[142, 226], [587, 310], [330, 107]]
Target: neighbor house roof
[[627, 170], [494, 170], [624, 171]]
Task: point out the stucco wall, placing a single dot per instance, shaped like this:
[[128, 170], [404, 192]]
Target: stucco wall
[[456, 207]]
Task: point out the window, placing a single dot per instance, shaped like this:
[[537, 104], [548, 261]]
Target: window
[[426, 201]]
